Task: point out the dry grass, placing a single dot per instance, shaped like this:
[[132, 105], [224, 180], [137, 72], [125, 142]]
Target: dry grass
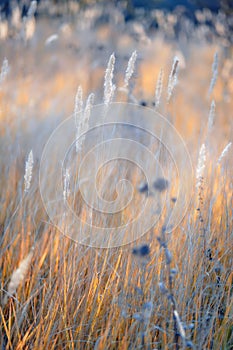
[[77, 297]]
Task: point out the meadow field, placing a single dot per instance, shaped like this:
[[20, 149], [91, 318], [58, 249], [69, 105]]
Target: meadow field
[[121, 239]]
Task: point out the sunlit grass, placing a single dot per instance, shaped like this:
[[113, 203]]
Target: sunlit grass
[[77, 297]]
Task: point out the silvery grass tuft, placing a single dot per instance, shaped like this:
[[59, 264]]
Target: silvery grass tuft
[[18, 275], [29, 23], [28, 172], [211, 115], [4, 70], [224, 153], [128, 86], [130, 68], [82, 120], [78, 107], [159, 88], [180, 326], [109, 87], [32, 9], [89, 105], [214, 73], [172, 81], [200, 165], [66, 185]]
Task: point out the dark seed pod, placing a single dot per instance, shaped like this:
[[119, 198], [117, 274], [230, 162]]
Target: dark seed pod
[[142, 251], [161, 184], [162, 288], [143, 187], [189, 344]]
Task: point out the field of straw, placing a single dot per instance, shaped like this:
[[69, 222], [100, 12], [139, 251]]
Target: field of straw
[[162, 287]]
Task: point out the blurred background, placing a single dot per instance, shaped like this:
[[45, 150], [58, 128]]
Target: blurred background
[[52, 47]]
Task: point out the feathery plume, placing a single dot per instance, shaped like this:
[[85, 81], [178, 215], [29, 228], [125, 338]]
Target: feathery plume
[[172, 81], [214, 73], [200, 165], [224, 152], [28, 172], [88, 107], [4, 70], [19, 275], [159, 88], [211, 116], [29, 23], [130, 68], [179, 324], [109, 87], [32, 9], [83, 122], [66, 186], [78, 107]]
